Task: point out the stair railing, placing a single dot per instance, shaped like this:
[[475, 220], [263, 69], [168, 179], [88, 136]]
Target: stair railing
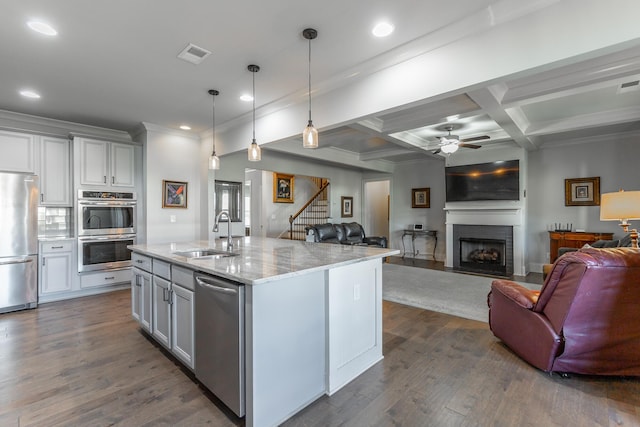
[[293, 217]]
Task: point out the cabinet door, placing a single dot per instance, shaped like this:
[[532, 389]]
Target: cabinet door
[[55, 273], [141, 298], [182, 312], [55, 172], [93, 162], [161, 311], [122, 165], [18, 152]]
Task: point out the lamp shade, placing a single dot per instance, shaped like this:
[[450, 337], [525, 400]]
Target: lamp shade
[[620, 206]]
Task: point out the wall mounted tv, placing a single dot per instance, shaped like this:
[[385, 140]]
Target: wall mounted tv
[[483, 181]]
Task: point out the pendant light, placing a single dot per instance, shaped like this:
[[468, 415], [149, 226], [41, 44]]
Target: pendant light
[[214, 161], [255, 154], [310, 133]]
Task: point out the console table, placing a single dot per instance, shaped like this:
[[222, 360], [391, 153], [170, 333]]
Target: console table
[[572, 239], [419, 233]]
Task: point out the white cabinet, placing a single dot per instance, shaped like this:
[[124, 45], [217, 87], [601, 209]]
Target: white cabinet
[[182, 316], [18, 152], [56, 261], [55, 172], [162, 311], [104, 163], [141, 305]]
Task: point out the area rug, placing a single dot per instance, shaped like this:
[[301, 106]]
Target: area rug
[[462, 295]]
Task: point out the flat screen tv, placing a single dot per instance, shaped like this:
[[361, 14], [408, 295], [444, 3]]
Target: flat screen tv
[[483, 181]]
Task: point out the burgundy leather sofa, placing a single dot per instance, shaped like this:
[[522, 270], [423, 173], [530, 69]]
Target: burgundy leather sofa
[[585, 319]]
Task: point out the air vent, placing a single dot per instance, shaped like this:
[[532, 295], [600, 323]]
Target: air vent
[[629, 86], [194, 54]]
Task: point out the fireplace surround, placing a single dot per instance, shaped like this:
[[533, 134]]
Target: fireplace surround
[[486, 249]]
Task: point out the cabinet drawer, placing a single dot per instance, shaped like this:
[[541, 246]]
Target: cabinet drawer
[[105, 278], [161, 268], [183, 277], [57, 246], [143, 262]]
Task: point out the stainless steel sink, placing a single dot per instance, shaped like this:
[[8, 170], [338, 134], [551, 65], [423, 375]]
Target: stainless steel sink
[[205, 253]]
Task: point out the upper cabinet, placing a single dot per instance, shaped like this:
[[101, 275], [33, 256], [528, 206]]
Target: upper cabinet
[[55, 172], [105, 163], [18, 152]]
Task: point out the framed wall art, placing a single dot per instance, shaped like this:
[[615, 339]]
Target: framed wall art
[[420, 198], [282, 188], [174, 194], [346, 209], [582, 191]]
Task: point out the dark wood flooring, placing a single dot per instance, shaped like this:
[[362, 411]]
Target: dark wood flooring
[[439, 265], [84, 362]]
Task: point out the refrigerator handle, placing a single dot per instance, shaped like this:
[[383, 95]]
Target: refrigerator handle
[[16, 261]]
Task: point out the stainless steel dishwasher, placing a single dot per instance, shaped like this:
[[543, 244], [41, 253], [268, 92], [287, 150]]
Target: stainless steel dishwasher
[[219, 333]]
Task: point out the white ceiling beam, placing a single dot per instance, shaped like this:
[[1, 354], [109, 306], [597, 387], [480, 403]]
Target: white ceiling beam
[[489, 99], [585, 121]]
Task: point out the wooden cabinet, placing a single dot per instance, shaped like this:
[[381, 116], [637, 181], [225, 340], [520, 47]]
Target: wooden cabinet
[[104, 163], [56, 263], [18, 152], [572, 239], [55, 172]]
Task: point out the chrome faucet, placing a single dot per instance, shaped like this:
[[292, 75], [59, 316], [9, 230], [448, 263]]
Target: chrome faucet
[[215, 228]]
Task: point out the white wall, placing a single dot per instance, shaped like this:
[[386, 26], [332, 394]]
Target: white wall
[[175, 156], [344, 182], [614, 159]]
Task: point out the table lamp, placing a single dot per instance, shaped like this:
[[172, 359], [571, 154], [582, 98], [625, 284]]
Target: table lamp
[[621, 206]]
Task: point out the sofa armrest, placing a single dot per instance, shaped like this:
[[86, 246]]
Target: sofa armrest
[[524, 297], [377, 240]]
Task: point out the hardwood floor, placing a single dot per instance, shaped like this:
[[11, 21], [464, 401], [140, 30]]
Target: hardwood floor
[[84, 362]]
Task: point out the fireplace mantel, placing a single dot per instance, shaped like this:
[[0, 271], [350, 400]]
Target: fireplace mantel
[[480, 214]]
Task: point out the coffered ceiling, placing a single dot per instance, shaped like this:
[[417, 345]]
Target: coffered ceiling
[[114, 64]]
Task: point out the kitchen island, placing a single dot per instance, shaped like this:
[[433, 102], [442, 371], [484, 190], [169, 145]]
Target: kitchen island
[[310, 321]]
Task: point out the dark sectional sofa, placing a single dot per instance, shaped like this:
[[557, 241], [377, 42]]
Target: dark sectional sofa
[[350, 233]]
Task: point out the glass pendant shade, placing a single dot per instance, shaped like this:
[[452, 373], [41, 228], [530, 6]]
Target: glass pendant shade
[[310, 133], [214, 162], [310, 136], [255, 153]]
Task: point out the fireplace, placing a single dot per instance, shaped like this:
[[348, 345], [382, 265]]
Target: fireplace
[[486, 249]]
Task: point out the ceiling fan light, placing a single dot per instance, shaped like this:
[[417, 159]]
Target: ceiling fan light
[[310, 136], [449, 148]]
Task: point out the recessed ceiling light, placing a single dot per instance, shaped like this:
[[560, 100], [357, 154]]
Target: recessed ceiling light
[[382, 29], [30, 94], [185, 127], [42, 28], [246, 98], [453, 118]]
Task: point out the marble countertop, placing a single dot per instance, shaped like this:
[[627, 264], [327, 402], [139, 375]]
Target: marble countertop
[[262, 260]]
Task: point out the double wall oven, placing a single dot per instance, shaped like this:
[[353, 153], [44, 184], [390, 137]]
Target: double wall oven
[[106, 226]]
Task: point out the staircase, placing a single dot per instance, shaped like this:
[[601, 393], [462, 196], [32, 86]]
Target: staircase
[[315, 211]]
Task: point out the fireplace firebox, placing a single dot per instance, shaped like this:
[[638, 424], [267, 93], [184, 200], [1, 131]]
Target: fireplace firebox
[[483, 249]]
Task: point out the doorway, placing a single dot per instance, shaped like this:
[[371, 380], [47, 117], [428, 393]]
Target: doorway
[[376, 209]]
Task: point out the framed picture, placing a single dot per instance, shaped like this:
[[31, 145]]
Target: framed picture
[[346, 210], [582, 191], [282, 188], [174, 194], [420, 198]]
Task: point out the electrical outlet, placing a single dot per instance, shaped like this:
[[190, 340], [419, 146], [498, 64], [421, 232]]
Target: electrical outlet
[[172, 218], [356, 292]]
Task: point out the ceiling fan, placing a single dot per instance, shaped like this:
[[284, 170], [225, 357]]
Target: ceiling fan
[[450, 143]]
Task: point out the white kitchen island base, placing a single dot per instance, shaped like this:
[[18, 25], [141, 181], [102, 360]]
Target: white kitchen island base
[[310, 335]]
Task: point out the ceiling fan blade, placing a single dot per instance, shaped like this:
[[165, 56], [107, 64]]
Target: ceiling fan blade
[[474, 146], [475, 138], [436, 151]]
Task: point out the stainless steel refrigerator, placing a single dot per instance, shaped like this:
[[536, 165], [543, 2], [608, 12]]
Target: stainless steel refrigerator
[[18, 241]]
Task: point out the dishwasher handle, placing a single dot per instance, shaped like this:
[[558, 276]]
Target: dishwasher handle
[[202, 282]]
